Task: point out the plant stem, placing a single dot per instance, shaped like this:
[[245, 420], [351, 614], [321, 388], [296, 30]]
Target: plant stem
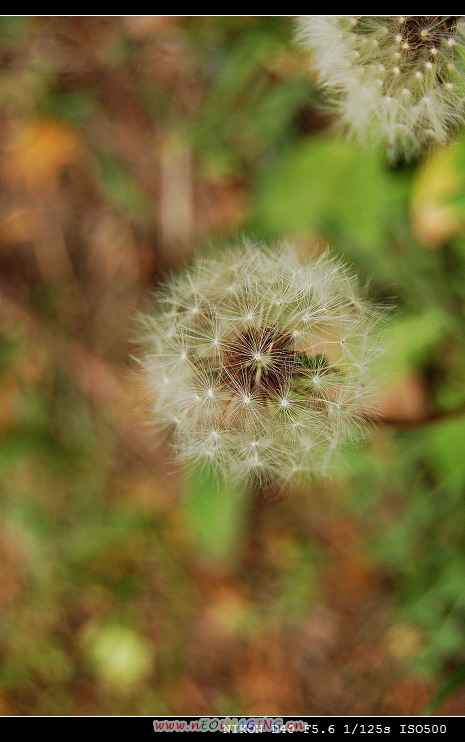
[[262, 497]]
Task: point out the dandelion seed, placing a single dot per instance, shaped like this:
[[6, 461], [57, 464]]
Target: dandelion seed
[[422, 51], [290, 384]]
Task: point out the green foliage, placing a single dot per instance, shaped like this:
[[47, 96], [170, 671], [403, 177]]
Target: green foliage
[[246, 112], [120, 189], [74, 106], [13, 29]]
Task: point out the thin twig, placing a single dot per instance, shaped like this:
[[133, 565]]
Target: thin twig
[[429, 419]]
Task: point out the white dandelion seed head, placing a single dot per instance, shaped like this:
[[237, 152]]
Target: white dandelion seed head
[[268, 380], [366, 64]]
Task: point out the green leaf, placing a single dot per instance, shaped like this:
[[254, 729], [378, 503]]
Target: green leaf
[[451, 684], [409, 341], [323, 184], [447, 444]]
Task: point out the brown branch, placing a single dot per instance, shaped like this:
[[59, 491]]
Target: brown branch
[[429, 419]]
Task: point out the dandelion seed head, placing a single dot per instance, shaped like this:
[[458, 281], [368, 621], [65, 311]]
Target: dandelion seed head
[[424, 54], [291, 382]]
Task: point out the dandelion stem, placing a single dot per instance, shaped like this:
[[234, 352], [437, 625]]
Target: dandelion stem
[[263, 496]]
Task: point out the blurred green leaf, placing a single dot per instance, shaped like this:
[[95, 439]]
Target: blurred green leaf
[[447, 445], [409, 341], [323, 182], [451, 684]]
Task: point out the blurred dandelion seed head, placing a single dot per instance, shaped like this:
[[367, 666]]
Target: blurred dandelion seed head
[[397, 78], [259, 363]]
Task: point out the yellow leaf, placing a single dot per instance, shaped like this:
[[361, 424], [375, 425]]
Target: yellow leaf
[[37, 151], [434, 219]]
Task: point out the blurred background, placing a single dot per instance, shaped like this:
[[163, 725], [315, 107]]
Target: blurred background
[[127, 586]]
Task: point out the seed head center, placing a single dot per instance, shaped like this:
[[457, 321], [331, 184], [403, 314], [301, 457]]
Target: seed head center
[[261, 360]]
